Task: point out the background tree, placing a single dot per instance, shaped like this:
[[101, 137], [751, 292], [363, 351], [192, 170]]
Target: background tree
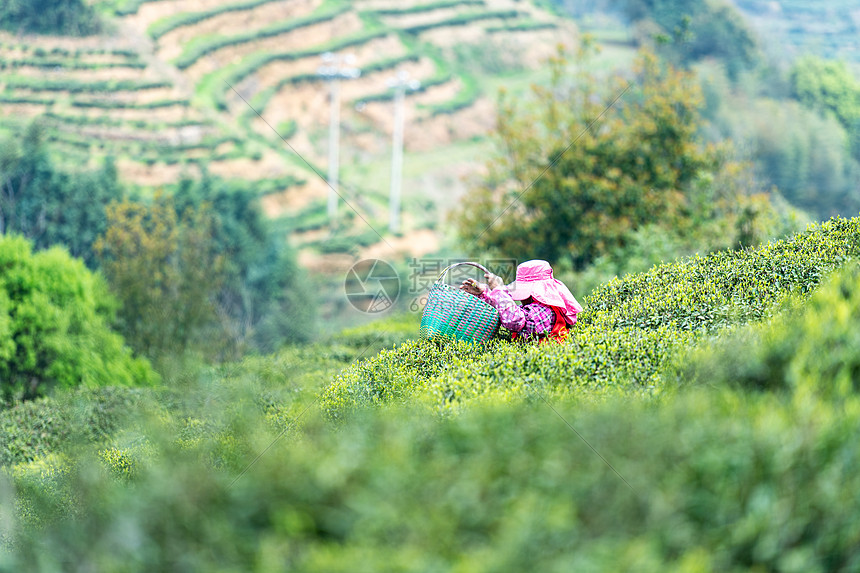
[[54, 325], [50, 206], [829, 87], [643, 164], [68, 17], [265, 300], [686, 31], [166, 271]]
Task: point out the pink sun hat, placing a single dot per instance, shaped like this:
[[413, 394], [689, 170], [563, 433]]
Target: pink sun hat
[[534, 279]]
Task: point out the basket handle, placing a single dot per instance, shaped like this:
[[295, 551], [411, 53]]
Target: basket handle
[[449, 267]]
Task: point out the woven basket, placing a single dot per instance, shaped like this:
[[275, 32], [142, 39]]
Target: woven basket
[[453, 313]]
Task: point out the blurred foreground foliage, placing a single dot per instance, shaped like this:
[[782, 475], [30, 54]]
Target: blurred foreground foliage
[[718, 481]]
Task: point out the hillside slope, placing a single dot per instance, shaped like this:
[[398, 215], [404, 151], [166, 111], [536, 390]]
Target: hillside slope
[[179, 84]]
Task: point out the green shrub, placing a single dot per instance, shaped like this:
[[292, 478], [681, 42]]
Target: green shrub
[[54, 325], [127, 7]]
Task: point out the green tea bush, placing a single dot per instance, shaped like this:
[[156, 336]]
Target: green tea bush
[[47, 426], [525, 26], [129, 105], [628, 333], [432, 6], [28, 99], [44, 492], [813, 349], [726, 287], [75, 87], [465, 20], [55, 318], [75, 65]]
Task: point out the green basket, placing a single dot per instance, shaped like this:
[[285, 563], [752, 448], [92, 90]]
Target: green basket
[[453, 313]]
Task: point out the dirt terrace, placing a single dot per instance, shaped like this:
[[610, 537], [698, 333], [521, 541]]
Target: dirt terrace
[[299, 39], [230, 23]]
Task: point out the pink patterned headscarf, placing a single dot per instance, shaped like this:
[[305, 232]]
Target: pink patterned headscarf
[[534, 279]]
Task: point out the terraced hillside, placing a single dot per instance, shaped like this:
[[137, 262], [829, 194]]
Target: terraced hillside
[[180, 84]]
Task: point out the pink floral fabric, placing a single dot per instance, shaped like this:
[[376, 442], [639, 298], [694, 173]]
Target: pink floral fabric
[[533, 319]]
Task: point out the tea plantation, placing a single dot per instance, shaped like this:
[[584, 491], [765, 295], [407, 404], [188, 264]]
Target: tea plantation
[[702, 418], [629, 332]]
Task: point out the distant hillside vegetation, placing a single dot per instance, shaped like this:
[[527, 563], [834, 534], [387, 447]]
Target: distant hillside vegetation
[[63, 17]]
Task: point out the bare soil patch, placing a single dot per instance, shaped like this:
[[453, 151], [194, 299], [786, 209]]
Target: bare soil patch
[[474, 121], [421, 18], [449, 36], [294, 198], [153, 175], [270, 74], [413, 244], [150, 12], [329, 264], [21, 109], [269, 167]]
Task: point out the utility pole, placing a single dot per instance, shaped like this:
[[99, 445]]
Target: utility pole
[[335, 67], [400, 83]]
